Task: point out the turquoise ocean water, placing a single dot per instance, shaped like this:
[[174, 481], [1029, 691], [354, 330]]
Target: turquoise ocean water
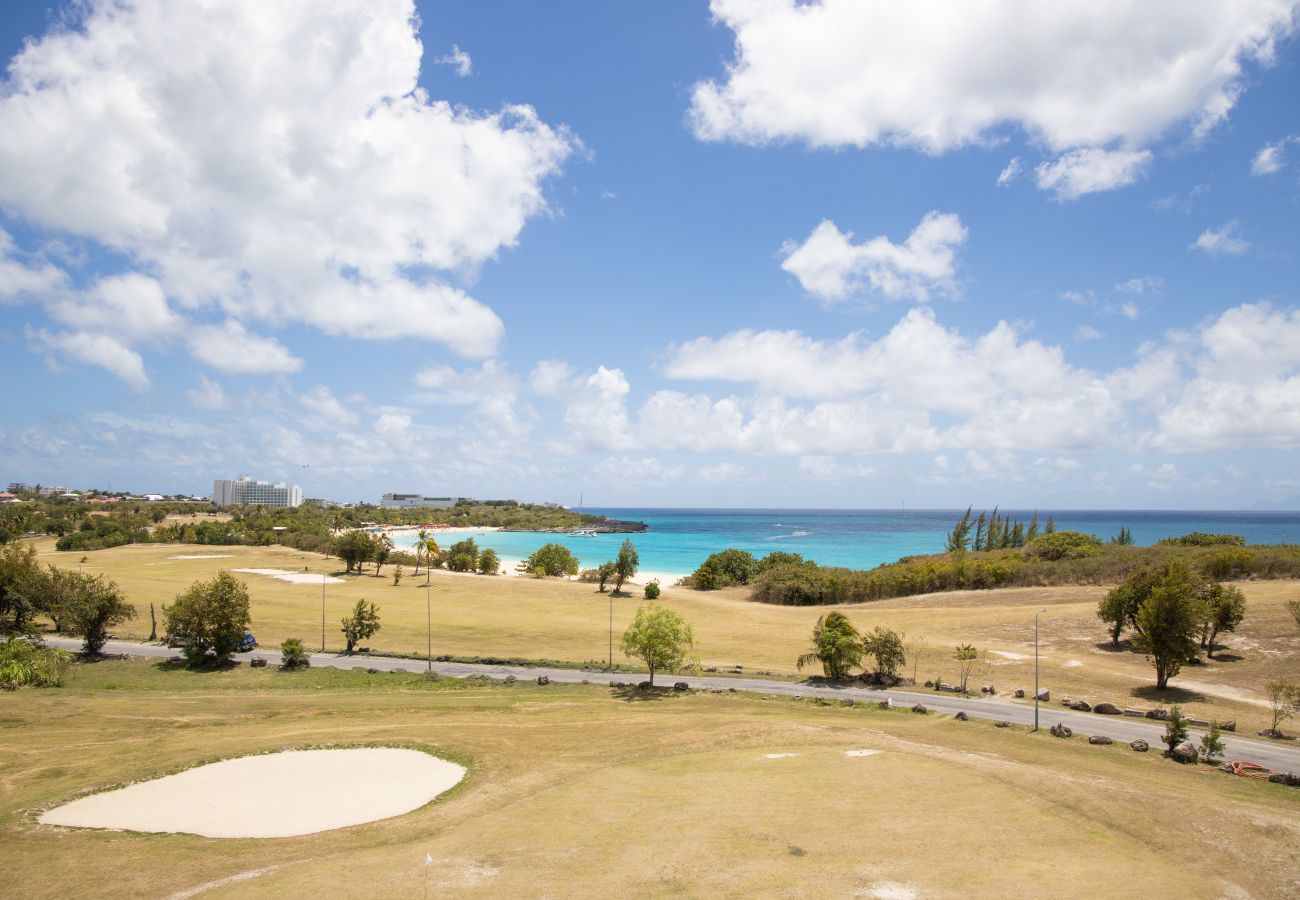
[[678, 540]]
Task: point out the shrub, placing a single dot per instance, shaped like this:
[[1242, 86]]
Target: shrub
[[1064, 545], [293, 655], [463, 556], [1175, 728], [489, 563], [836, 645], [550, 559], [1227, 564], [23, 664], [362, 625], [724, 569], [209, 619], [1201, 539], [652, 589], [887, 648]]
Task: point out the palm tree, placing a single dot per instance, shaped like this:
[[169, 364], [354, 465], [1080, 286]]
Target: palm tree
[[430, 548], [420, 537], [836, 645]]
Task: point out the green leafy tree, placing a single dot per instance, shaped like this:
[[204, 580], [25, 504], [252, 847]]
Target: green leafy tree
[[1168, 621], [836, 645], [1124, 538], [431, 552], [1175, 728], [293, 655], [355, 548], [959, 538], [419, 549], [207, 622], [1223, 608], [1212, 743], [397, 574], [383, 549], [361, 625], [1050, 528], [966, 657], [724, 569], [981, 532], [488, 562], [993, 538], [658, 637], [550, 560], [22, 584], [1118, 609], [94, 604], [886, 646], [605, 572], [625, 564], [1283, 702], [1033, 529], [463, 556]]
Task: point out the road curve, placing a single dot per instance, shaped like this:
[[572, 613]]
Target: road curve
[[1280, 755]]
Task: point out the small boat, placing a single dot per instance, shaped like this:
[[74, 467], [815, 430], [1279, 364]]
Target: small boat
[[583, 532]]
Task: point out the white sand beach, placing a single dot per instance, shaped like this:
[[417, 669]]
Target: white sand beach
[[272, 795]]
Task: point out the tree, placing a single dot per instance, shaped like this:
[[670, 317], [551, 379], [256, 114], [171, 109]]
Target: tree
[[488, 562], [625, 564], [1124, 538], [981, 532], [1119, 607], [397, 574], [966, 657], [355, 548], [463, 556], [1284, 702], [550, 559], [959, 538], [1175, 728], [362, 625], [1050, 528], [293, 655], [1168, 621], [658, 637], [836, 645], [1212, 743], [93, 605], [1223, 608], [383, 546], [431, 550], [887, 647], [605, 572], [21, 584], [208, 620], [420, 537], [724, 569], [1033, 529]]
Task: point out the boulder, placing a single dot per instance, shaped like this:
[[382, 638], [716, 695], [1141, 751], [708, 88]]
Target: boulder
[[1020, 692], [645, 685], [1081, 706], [1135, 713], [681, 686], [710, 668], [1270, 733], [920, 709], [1061, 731], [1099, 739], [984, 688], [846, 702], [372, 671], [510, 679], [257, 662], [1159, 715], [585, 681], [886, 704], [1288, 778], [928, 684], [1043, 694], [961, 716], [1001, 724], [1140, 745], [616, 684], [1184, 753], [1230, 725], [1108, 709], [731, 690], [1066, 701], [542, 679]]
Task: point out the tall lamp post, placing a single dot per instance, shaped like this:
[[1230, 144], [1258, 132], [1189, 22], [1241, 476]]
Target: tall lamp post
[[428, 612], [322, 612], [1036, 612], [611, 631]]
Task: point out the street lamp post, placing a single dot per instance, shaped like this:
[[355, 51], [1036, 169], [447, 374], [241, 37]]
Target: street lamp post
[[322, 612], [428, 612], [611, 632], [1036, 612]]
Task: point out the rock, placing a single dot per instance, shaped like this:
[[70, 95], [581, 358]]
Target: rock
[[961, 716], [176, 658], [798, 696], [1288, 778], [372, 671], [257, 662], [731, 690], [616, 684], [681, 686], [920, 709], [1108, 709], [510, 679], [1001, 724], [928, 684], [1195, 661], [1066, 701], [1081, 706], [846, 702], [887, 680], [542, 679], [1020, 692], [1061, 731], [1135, 713], [645, 685], [1184, 753], [1270, 733], [1201, 722], [1159, 715], [1099, 739], [585, 681], [1230, 725], [1044, 694], [886, 704], [992, 690], [1140, 745], [984, 688]]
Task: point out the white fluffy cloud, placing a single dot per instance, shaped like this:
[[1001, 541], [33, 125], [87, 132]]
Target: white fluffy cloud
[[275, 162], [100, 350], [458, 58], [21, 280], [1272, 157], [230, 347], [831, 267], [1223, 241], [1090, 170], [1109, 76]]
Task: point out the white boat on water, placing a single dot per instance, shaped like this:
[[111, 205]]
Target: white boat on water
[[583, 532]]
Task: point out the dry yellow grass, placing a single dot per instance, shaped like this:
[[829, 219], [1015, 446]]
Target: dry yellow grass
[[580, 792], [506, 616]]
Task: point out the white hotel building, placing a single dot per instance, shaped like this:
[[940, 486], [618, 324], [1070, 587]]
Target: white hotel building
[[244, 491]]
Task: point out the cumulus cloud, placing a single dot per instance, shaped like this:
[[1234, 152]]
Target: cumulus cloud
[[131, 307], [230, 347], [550, 376], [459, 59], [627, 470], [595, 415], [21, 280], [1090, 170], [1223, 241], [100, 350], [275, 162], [1271, 157], [490, 388], [832, 268], [937, 75]]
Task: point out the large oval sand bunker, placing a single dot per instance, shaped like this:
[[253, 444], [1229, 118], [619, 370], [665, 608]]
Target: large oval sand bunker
[[271, 795]]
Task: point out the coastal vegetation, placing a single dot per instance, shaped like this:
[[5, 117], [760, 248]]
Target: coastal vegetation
[[207, 621], [660, 638], [551, 560]]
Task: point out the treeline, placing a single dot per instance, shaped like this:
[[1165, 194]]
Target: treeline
[[1062, 558]]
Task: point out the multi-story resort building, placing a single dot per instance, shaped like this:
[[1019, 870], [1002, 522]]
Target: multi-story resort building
[[416, 501], [244, 491]]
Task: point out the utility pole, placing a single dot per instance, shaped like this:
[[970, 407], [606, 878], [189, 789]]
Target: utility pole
[[1036, 666], [611, 631], [428, 611], [322, 612]]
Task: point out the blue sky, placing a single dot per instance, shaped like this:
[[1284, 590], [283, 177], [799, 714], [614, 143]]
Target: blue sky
[[753, 254]]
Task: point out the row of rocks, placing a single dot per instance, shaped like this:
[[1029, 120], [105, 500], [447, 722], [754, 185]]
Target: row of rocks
[[1061, 730]]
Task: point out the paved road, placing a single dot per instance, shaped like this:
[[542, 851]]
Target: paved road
[[1284, 756]]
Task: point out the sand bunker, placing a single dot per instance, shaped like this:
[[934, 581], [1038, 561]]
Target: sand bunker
[[861, 752], [204, 556], [272, 795], [294, 577]]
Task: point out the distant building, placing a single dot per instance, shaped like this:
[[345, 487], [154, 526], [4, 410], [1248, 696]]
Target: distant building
[[6, 497], [244, 491], [20, 486], [416, 501], [49, 490]]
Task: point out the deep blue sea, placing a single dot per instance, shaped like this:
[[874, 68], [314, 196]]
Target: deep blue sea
[[678, 540]]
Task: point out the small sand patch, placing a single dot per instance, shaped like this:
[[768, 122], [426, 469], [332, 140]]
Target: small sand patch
[[271, 795], [861, 752], [1073, 664], [204, 556], [780, 755], [891, 890], [294, 577], [1007, 654]]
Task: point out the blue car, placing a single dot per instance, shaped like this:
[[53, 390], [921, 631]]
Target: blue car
[[247, 642]]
